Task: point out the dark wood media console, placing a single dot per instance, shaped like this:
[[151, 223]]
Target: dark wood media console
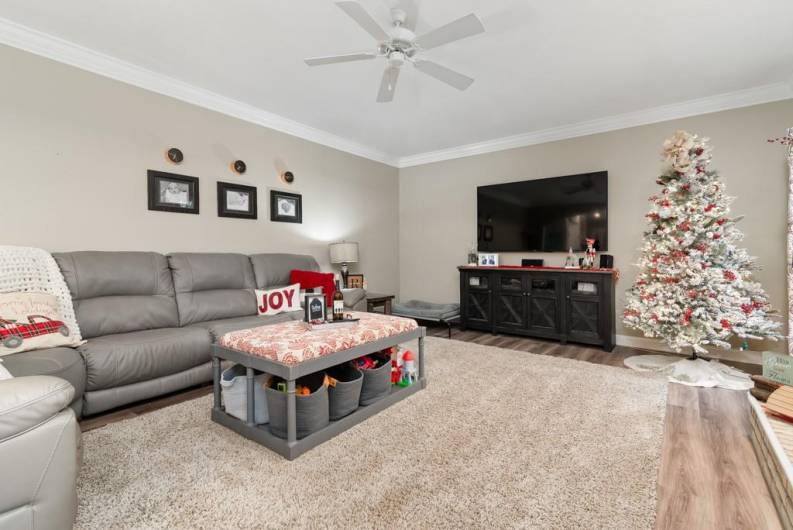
[[554, 303]]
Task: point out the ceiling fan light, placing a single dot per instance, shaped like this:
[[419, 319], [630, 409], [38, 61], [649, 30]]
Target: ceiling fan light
[[396, 58]]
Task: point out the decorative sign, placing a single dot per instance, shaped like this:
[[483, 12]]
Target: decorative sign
[[314, 307], [778, 367]]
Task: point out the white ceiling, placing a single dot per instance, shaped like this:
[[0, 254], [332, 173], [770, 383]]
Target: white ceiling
[[540, 65]]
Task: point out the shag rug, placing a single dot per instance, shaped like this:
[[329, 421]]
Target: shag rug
[[498, 439]]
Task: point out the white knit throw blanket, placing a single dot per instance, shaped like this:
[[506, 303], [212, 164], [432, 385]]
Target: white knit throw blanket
[[33, 270]]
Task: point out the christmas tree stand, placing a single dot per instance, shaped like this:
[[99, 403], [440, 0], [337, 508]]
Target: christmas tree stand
[[692, 371]]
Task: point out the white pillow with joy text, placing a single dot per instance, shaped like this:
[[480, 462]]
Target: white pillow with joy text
[[281, 300]]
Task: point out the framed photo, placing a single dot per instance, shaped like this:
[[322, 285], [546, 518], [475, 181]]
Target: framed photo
[[286, 207], [355, 281], [169, 192], [314, 307], [236, 200], [488, 260]]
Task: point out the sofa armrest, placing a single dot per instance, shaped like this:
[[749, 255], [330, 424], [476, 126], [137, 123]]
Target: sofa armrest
[[353, 298], [28, 401]]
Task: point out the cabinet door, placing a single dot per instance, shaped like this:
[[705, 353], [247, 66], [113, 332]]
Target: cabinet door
[[543, 295], [509, 303], [477, 298], [582, 309]]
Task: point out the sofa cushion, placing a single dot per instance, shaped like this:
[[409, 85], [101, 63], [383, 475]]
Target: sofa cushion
[[65, 363], [118, 292], [32, 321], [312, 279], [218, 328], [122, 359], [212, 286], [273, 270], [278, 300]]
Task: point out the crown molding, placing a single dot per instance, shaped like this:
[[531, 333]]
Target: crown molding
[[57, 49], [694, 107], [39, 43]]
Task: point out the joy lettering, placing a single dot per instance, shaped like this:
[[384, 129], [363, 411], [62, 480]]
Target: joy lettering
[[276, 299]]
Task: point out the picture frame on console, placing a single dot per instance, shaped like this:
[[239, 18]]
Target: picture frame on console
[[169, 192], [237, 201], [286, 207], [487, 260]]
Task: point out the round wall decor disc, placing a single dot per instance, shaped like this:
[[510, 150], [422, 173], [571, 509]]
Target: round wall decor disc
[[175, 155]]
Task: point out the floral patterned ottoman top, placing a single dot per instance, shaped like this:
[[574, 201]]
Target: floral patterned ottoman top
[[292, 343]]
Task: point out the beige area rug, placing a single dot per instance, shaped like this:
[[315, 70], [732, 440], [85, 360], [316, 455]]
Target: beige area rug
[[499, 439]]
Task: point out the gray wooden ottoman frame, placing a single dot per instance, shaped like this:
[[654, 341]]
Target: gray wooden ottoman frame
[[291, 447]]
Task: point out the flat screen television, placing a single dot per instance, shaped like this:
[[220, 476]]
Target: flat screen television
[[544, 215]]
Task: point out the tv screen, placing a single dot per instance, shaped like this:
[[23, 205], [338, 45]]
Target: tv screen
[[544, 215]]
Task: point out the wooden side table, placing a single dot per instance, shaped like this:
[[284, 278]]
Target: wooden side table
[[374, 300]]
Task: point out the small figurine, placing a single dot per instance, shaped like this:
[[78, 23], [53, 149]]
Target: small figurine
[[570, 261], [589, 256], [409, 374]]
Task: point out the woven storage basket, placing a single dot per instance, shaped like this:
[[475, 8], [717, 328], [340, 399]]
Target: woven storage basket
[[346, 393], [376, 381], [312, 410]]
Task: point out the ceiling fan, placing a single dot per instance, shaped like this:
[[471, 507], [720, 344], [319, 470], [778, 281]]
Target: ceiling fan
[[400, 45]]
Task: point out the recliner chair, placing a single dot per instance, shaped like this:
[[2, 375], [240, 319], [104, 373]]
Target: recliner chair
[[39, 454]]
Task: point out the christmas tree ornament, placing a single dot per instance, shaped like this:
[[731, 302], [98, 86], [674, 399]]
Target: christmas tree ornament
[[694, 288], [788, 142]]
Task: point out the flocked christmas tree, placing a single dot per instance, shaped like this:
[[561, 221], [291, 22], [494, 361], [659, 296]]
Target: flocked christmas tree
[[694, 286]]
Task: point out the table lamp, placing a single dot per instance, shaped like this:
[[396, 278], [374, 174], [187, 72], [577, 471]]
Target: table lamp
[[343, 253]]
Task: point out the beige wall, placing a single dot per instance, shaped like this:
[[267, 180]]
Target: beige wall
[[437, 202], [75, 148]]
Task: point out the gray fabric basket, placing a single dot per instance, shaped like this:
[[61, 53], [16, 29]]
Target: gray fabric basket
[[344, 397], [376, 382], [311, 411]]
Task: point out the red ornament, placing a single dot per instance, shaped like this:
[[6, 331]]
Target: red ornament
[[747, 308], [730, 276], [709, 207], [721, 221], [716, 236], [699, 151], [725, 324]]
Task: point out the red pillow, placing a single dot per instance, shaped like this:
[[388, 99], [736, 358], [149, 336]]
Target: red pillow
[[311, 279]]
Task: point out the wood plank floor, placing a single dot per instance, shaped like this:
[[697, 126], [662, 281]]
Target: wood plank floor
[[709, 476]]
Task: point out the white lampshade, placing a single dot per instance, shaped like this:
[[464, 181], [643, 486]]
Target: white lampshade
[[344, 252]]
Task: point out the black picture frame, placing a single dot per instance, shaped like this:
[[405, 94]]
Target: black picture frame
[[184, 197], [225, 210], [315, 311], [280, 216]]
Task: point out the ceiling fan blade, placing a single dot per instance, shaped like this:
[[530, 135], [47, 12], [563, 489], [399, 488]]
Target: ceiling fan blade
[[364, 19], [388, 85], [441, 73], [317, 61], [461, 28]]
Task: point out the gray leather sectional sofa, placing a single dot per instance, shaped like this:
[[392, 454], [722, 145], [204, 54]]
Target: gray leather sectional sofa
[[150, 319]]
